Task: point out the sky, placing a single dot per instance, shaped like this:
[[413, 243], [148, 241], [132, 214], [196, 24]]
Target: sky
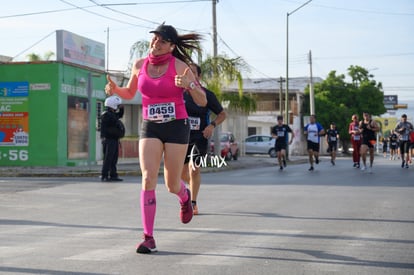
[[374, 34]]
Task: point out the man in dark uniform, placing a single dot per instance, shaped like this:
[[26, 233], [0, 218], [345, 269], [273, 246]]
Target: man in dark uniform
[[112, 130]]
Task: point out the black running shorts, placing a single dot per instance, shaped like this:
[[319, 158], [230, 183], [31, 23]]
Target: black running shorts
[[313, 146], [176, 131], [197, 148], [280, 145]]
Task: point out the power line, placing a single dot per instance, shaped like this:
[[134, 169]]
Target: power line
[[367, 56], [106, 6], [147, 3], [33, 44], [84, 8], [358, 10], [42, 12], [366, 11], [248, 65], [155, 2], [100, 15]]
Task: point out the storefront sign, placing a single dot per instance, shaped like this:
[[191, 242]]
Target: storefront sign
[[14, 120]]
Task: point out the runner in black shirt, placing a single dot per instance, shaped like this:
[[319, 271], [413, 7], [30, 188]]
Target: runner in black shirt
[[201, 130], [368, 128], [393, 145], [332, 136], [281, 133]]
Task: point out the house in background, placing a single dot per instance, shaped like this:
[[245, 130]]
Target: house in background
[[270, 95]]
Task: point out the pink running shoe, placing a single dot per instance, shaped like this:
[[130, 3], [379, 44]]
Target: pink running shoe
[[186, 213], [147, 246]]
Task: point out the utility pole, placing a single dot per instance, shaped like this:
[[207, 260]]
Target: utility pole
[[216, 137], [287, 68], [281, 80], [287, 73], [107, 49], [311, 92], [214, 29], [287, 60]]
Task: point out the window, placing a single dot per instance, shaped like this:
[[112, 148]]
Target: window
[[266, 138], [78, 127], [251, 131]]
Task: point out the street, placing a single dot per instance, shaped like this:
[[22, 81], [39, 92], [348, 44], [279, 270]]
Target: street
[[334, 220]]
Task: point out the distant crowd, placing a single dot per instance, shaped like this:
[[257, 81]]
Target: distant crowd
[[399, 144]]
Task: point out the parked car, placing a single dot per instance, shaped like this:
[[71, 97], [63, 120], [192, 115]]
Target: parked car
[[260, 144], [229, 146]]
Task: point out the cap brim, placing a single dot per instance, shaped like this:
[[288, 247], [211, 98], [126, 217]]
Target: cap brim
[[162, 35]]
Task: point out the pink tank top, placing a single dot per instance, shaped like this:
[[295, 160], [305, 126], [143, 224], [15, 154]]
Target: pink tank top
[[161, 100]]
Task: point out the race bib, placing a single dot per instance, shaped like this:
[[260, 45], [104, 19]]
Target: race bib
[[333, 138], [194, 123], [161, 112], [358, 137]]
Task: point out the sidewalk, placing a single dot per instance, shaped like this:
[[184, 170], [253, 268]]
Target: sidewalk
[[130, 167]]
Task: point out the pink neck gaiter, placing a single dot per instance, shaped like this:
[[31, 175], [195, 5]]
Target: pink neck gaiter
[[159, 59]]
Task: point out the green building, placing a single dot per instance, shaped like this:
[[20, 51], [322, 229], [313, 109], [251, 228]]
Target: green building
[[49, 113]]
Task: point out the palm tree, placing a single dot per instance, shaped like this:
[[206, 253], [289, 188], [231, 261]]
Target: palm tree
[[48, 55], [35, 57], [220, 71], [138, 50]]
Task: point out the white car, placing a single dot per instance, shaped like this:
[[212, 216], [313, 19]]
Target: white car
[[260, 144]]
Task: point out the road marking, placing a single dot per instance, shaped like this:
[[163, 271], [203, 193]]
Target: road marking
[[105, 254], [13, 251]]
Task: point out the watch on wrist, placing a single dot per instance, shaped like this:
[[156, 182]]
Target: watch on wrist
[[213, 123], [192, 86]]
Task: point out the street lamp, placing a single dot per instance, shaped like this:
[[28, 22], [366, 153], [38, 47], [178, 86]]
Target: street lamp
[[287, 61], [287, 70]]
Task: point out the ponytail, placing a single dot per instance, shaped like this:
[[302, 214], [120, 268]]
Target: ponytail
[[185, 45]]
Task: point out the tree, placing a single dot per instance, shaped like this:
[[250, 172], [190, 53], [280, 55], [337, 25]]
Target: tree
[[35, 57], [220, 71], [336, 100], [138, 50]]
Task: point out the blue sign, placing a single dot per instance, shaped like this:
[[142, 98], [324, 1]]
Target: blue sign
[[10, 89]]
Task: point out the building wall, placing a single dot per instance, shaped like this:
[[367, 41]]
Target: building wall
[[59, 102]]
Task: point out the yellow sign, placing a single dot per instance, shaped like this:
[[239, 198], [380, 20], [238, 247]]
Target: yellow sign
[[387, 124]]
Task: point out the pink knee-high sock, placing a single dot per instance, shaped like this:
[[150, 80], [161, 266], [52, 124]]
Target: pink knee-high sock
[[148, 207], [182, 195]]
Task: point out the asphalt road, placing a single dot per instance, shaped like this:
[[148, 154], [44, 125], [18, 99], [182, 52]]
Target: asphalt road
[[335, 220]]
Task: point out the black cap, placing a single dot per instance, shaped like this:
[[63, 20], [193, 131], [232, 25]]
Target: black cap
[[167, 32], [404, 116]]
